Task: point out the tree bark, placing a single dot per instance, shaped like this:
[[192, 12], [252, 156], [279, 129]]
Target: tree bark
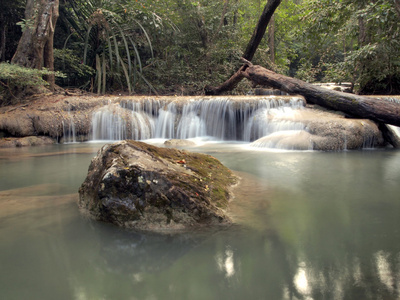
[[35, 48], [223, 17], [271, 39], [201, 26], [259, 32], [397, 6], [251, 48], [380, 111], [362, 33], [3, 42]]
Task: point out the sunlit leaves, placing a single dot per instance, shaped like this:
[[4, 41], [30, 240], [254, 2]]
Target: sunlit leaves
[[181, 44], [15, 75], [350, 40]]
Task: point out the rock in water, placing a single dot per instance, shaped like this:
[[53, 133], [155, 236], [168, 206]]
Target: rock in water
[[26, 141], [179, 143], [137, 185]]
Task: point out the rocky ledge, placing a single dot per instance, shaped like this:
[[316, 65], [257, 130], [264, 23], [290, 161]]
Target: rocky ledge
[[137, 185], [323, 130], [26, 141]]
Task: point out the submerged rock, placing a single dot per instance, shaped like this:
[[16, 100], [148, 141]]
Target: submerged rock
[[179, 143], [136, 185]]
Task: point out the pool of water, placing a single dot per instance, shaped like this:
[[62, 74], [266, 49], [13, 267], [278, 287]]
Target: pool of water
[[308, 225]]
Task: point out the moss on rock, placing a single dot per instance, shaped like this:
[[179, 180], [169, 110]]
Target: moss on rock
[[137, 185]]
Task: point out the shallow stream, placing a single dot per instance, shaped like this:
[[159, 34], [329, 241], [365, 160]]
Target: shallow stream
[[308, 225]]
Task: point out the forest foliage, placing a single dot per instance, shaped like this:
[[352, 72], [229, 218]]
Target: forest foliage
[[180, 46]]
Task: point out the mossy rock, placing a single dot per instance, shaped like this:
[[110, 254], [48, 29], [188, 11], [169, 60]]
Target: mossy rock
[[136, 185]]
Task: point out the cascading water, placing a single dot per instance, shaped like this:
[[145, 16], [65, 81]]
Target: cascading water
[[69, 132], [267, 121], [190, 123], [261, 121], [109, 123], [165, 123], [218, 118]]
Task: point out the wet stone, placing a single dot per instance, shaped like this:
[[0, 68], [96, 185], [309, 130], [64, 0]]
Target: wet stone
[[136, 185], [179, 143]]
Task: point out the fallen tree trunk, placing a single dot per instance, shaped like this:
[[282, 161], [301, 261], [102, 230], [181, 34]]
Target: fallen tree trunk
[[380, 111], [251, 48], [228, 85]]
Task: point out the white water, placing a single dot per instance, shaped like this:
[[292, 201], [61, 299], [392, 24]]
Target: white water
[[218, 118], [69, 132], [263, 121]]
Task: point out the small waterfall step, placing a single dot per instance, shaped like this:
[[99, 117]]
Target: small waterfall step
[[238, 118]]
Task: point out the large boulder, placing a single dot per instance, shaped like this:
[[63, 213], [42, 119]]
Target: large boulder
[[137, 185]]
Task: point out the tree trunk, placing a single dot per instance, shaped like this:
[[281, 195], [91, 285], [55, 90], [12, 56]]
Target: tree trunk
[[223, 17], [380, 111], [259, 32], [228, 85], [397, 6], [201, 26], [3, 42], [252, 46], [271, 39], [35, 48], [362, 32]]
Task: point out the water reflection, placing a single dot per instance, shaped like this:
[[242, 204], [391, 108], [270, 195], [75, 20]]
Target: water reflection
[[225, 262], [308, 226], [136, 253], [300, 279], [384, 270]]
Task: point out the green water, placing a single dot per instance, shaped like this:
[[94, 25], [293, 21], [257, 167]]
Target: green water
[[309, 225]]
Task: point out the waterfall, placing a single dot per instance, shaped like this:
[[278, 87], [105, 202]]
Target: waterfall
[[69, 132], [219, 118], [109, 124], [260, 121], [117, 122], [267, 121], [165, 124], [142, 126], [190, 124], [395, 129], [287, 139]]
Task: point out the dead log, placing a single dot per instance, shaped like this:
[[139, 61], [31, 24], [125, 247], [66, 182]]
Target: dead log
[[228, 85], [353, 105], [251, 48]]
